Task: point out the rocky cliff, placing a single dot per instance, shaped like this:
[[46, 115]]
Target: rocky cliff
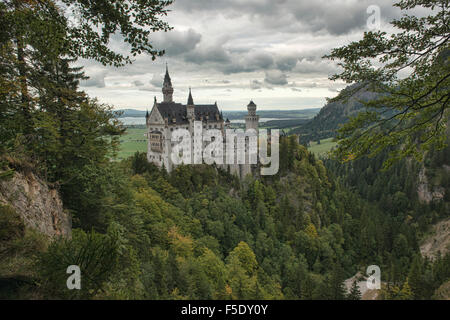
[[427, 192], [36, 203], [438, 241]]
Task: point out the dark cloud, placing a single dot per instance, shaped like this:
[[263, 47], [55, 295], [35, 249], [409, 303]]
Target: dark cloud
[[138, 83], [248, 62], [260, 60], [335, 17], [276, 77], [256, 85], [214, 54], [177, 42], [284, 63]]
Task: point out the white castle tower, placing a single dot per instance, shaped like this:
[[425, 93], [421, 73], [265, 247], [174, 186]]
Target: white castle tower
[[251, 119], [251, 122]]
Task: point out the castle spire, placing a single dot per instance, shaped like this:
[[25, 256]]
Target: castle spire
[[190, 99], [167, 80], [167, 87]]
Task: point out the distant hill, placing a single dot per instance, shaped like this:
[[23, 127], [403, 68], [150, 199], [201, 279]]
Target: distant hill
[[131, 113], [275, 114], [235, 115], [325, 124]]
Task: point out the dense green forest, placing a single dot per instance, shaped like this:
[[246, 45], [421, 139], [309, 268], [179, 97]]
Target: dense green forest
[[139, 232], [199, 233]]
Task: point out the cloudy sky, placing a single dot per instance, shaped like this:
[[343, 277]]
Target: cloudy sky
[[231, 51]]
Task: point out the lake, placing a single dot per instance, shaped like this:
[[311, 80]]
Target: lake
[[133, 121]]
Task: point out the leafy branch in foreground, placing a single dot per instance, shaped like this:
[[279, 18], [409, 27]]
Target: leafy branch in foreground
[[410, 72], [96, 22]]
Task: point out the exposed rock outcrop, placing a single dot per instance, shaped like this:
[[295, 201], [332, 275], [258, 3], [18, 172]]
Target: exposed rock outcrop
[[426, 192], [39, 206], [443, 292], [438, 241]]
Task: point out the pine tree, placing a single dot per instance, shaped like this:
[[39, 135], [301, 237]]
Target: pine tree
[[415, 278], [336, 285], [406, 292], [355, 293]]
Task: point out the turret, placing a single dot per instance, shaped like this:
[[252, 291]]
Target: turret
[[167, 87], [251, 108], [190, 107], [251, 120]]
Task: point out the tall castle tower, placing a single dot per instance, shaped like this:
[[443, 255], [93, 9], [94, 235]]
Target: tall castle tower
[[190, 107], [251, 119], [251, 122], [167, 87]]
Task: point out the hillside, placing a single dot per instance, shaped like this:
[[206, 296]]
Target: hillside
[[199, 233], [325, 124]]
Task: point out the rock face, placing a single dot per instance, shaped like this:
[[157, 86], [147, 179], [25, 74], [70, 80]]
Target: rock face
[[39, 206], [443, 292], [438, 241], [426, 195]]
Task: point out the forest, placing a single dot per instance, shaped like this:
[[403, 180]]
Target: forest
[[139, 232]]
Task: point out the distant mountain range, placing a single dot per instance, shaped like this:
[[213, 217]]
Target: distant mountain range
[[235, 115], [131, 113]]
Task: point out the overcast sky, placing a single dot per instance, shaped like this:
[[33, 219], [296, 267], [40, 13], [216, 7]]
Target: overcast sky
[[231, 51]]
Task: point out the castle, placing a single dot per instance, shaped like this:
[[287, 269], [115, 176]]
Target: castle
[[168, 116]]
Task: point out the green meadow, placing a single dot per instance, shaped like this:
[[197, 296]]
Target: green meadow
[[134, 140], [323, 148]]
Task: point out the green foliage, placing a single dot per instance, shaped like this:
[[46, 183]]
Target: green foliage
[[89, 32], [355, 293], [11, 224], [96, 255], [410, 112]]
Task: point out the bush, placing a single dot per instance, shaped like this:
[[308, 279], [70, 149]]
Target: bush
[[11, 224], [96, 255]]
